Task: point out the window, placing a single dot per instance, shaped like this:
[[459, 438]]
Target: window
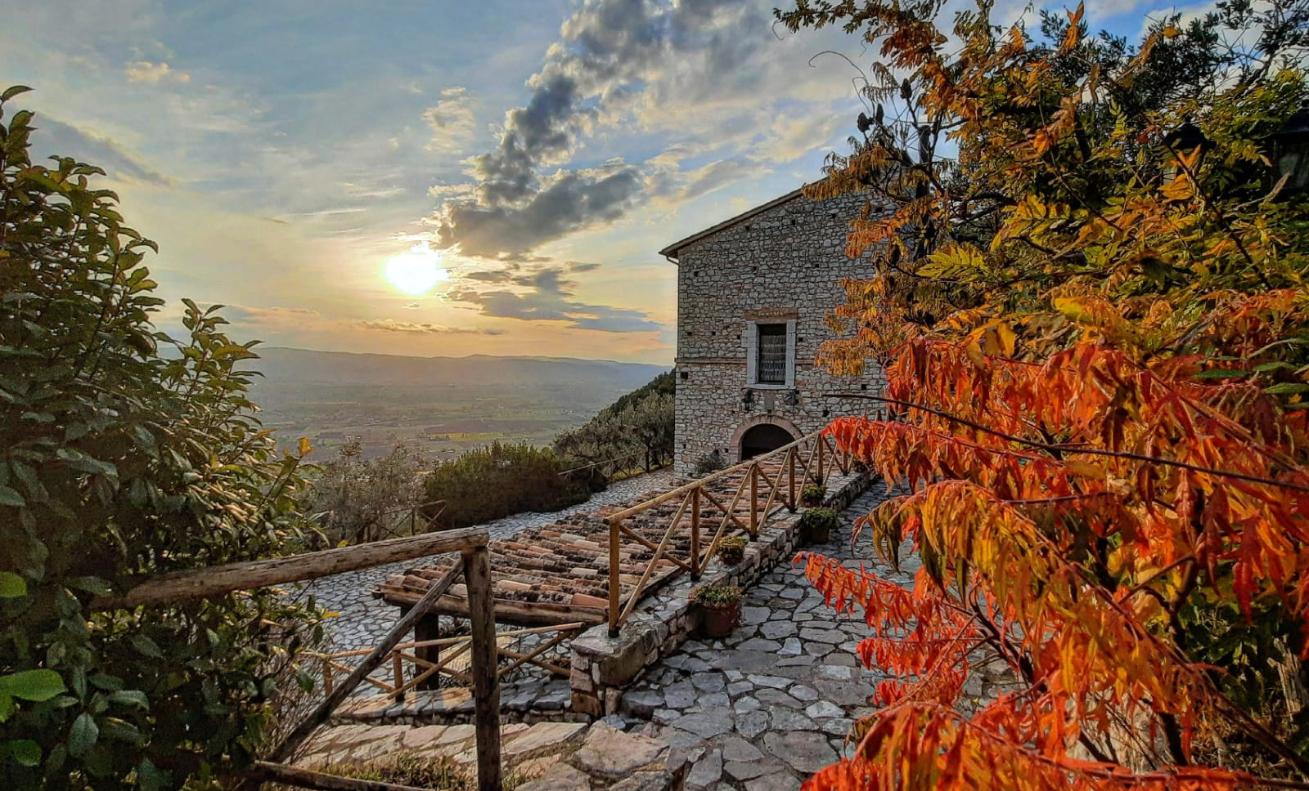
[[770, 353], [770, 365]]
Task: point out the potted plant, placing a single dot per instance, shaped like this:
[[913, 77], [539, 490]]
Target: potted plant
[[720, 608], [812, 495], [816, 525], [731, 550]]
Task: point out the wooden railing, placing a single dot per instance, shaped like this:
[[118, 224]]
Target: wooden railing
[[766, 483], [248, 575], [394, 681]]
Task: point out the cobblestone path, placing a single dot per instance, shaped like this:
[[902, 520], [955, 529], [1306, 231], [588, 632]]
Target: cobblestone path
[[770, 705], [364, 620]]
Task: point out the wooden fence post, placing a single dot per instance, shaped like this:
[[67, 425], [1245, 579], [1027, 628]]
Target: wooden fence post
[[613, 577], [790, 455], [425, 630], [754, 500], [486, 685], [695, 534], [821, 477]]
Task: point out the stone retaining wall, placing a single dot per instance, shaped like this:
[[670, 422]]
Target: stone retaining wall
[[602, 665]]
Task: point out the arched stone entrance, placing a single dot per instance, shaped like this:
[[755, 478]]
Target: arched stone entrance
[[759, 435]]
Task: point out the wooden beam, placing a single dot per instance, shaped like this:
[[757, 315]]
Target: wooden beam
[[307, 778], [486, 685], [379, 653], [219, 580], [427, 630]]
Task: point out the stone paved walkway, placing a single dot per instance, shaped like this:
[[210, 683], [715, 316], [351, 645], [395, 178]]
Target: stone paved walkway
[[364, 620], [771, 704]]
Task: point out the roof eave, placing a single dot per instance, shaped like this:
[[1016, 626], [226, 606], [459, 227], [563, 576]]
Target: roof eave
[[670, 252]]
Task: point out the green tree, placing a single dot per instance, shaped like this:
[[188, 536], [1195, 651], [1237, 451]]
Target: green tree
[[362, 499], [120, 462]]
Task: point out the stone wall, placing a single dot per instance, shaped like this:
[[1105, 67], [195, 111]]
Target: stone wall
[[785, 263]]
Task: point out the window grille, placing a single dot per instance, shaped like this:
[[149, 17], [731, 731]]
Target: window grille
[[771, 362]]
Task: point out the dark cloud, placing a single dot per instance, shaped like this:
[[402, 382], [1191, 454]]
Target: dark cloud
[[58, 138], [421, 328], [549, 298], [580, 266], [490, 276], [609, 49], [569, 202]]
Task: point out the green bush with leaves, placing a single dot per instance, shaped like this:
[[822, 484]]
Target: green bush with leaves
[[119, 463], [716, 596], [499, 480]]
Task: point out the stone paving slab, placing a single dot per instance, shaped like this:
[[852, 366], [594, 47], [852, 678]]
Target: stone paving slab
[[769, 705]]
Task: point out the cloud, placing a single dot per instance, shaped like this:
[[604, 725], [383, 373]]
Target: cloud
[[566, 202], [452, 121], [422, 328], [549, 298], [154, 73], [582, 266], [609, 51], [490, 276], [58, 138]]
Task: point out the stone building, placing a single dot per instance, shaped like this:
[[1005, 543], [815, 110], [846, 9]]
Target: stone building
[[752, 295]]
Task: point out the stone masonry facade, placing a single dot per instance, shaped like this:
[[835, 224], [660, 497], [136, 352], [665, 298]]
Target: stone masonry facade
[[781, 263]]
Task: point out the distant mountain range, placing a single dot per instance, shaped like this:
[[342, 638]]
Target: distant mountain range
[[443, 405], [305, 365]]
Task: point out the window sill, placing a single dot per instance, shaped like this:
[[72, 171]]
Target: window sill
[[769, 387]]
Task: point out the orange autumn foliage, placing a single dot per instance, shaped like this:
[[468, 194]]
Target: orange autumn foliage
[[1095, 337]]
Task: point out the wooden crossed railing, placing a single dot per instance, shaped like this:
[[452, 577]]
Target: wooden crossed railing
[[453, 662], [766, 483]]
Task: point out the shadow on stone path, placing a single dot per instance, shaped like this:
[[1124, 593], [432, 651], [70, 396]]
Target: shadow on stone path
[[771, 704]]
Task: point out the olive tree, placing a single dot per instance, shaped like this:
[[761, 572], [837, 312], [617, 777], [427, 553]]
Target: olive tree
[[124, 455]]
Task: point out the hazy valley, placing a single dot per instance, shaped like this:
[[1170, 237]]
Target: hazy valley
[[441, 405]]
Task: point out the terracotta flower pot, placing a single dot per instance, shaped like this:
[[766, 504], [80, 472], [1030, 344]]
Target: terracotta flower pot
[[720, 621]]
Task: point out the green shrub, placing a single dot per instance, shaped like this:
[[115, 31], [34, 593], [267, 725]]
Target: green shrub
[[817, 524], [812, 494], [731, 549], [499, 480], [716, 595], [119, 463]]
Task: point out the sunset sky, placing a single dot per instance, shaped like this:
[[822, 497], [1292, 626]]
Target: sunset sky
[[518, 164]]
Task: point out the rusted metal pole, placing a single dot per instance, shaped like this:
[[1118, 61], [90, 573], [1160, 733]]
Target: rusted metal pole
[[613, 576], [695, 534], [486, 684]]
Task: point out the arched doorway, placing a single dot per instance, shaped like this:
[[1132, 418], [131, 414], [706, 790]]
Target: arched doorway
[[759, 439]]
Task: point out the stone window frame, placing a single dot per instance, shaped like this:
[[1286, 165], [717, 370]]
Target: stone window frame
[[752, 354]]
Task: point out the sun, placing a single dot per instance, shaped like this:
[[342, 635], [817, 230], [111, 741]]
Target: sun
[[416, 270]]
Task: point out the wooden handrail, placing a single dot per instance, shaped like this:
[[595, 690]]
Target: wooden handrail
[[219, 580], [691, 494], [687, 487]]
